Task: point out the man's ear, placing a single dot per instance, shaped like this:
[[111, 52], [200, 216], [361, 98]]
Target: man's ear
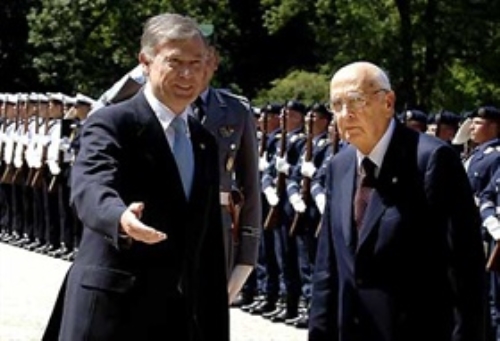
[[145, 61]]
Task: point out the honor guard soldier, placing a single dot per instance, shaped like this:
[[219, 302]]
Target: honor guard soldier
[[4, 192], [9, 140], [73, 122], [482, 167], [416, 119], [36, 179], [23, 196], [305, 223], [262, 286], [282, 210]]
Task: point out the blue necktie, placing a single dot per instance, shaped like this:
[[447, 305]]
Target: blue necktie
[[183, 153]]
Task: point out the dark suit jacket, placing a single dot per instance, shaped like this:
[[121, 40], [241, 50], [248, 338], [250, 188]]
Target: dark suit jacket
[[417, 271], [116, 290]]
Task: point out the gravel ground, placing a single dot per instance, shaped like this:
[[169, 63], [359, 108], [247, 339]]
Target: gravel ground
[[28, 287]]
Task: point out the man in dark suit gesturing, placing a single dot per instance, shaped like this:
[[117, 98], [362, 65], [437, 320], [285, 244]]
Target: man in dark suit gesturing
[[399, 255], [151, 264]]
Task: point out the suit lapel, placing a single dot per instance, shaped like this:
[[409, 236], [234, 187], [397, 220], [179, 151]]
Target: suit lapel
[[157, 146], [386, 182], [199, 152], [347, 190]]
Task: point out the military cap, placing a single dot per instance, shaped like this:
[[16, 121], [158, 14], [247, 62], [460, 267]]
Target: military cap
[[12, 99], [486, 112], [83, 99], [296, 106], [416, 115], [445, 117], [256, 111], [68, 100], [23, 97], [3, 97], [57, 97], [321, 109], [272, 108]]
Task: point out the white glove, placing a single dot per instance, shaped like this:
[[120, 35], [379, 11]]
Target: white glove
[[298, 204], [282, 166], [320, 200], [271, 196], [238, 278], [263, 164], [493, 226], [18, 155], [463, 133], [307, 169], [54, 168]]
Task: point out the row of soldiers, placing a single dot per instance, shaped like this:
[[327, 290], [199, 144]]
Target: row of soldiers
[[296, 143], [37, 148]]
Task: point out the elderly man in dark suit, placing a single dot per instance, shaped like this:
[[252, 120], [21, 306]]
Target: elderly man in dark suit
[[151, 263], [399, 255]]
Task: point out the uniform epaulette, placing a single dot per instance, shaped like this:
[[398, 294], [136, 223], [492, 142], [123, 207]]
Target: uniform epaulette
[[245, 101]]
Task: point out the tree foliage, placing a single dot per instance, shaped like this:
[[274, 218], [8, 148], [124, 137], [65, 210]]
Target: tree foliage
[[439, 54]]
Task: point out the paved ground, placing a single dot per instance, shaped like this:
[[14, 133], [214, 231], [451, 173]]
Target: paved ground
[[29, 283]]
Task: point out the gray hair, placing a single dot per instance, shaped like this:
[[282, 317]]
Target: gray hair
[[382, 79], [167, 27]]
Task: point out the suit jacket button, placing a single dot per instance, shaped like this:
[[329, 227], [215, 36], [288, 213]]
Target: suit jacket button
[[359, 282]]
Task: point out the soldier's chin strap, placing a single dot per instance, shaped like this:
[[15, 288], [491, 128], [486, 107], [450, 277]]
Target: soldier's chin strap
[[238, 278]]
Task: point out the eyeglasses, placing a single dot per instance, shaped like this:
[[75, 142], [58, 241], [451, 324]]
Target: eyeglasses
[[354, 100]]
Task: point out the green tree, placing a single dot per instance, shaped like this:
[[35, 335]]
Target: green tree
[[304, 86]]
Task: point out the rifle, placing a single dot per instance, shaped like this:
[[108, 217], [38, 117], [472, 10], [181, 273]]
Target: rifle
[[263, 138], [37, 180], [272, 218], [305, 187], [64, 124], [31, 111], [493, 263], [335, 139]]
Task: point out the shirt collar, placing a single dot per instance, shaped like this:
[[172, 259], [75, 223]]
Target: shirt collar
[[378, 153], [164, 114]]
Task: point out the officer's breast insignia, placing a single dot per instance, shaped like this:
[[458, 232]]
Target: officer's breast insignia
[[226, 131]]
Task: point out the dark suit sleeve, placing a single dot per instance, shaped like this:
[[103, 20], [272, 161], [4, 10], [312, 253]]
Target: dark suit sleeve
[[94, 178], [247, 178], [449, 193], [324, 304]]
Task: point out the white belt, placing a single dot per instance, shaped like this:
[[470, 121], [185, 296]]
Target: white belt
[[224, 198]]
